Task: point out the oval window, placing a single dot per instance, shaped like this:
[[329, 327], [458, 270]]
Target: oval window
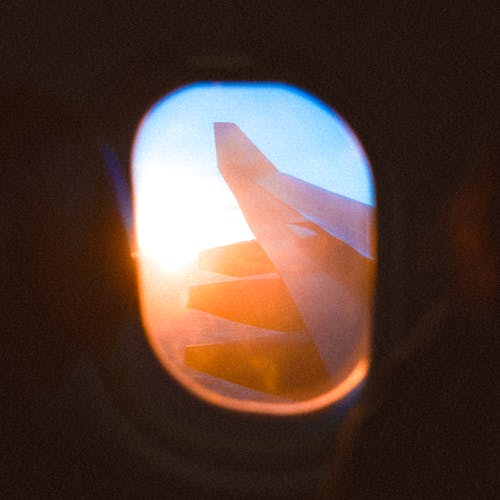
[[256, 245]]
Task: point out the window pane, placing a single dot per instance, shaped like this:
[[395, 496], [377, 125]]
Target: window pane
[[255, 230]]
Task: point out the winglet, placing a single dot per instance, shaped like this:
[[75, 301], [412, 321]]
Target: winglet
[[236, 151]]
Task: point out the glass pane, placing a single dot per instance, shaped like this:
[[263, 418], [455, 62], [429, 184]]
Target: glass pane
[[255, 230]]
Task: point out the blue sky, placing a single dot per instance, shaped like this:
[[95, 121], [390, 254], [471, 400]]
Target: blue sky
[[174, 159], [297, 132]]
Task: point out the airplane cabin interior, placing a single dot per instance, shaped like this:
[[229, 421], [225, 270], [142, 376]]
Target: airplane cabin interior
[[249, 250]]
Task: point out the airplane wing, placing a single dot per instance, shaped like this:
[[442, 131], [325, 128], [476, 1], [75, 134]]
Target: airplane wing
[[319, 242]]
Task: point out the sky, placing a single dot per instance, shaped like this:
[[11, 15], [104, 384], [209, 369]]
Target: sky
[[182, 204]]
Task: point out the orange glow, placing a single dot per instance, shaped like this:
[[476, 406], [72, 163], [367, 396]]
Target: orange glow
[[282, 380], [222, 319], [256, 281], [173, 328], [353, 380]]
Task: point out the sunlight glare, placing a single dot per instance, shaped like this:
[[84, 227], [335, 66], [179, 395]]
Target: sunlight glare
[[179, 215]]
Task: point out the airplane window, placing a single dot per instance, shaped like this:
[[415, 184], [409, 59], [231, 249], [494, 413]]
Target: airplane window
[[256, 245]]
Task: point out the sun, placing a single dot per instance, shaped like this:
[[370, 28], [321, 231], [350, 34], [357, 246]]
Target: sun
[[178, 215]]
